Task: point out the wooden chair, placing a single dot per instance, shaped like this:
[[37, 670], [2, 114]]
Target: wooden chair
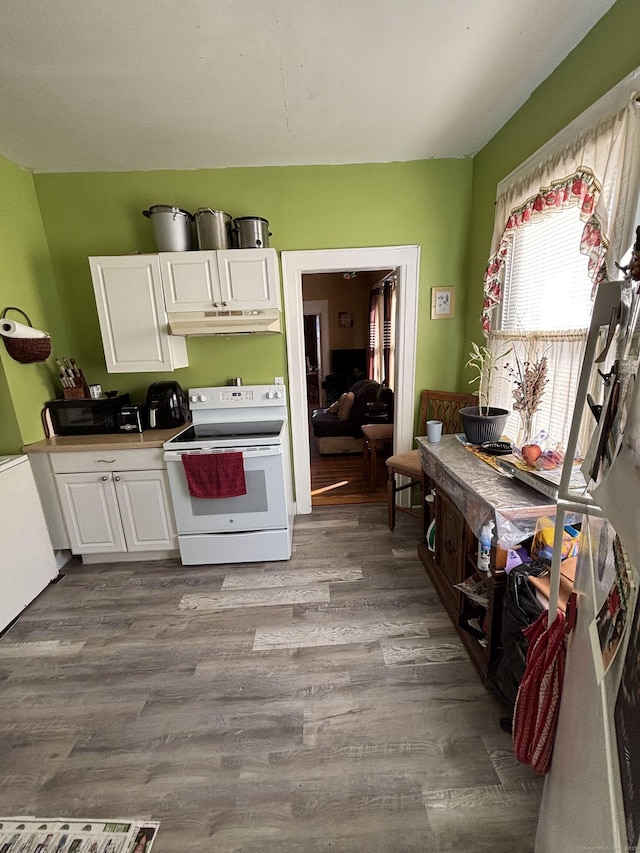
[[434, 405], [375, 437]]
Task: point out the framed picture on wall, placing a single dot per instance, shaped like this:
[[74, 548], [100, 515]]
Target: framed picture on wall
[[442, 303], [345, 319]]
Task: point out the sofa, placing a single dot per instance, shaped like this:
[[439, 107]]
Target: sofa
[[338, 429]]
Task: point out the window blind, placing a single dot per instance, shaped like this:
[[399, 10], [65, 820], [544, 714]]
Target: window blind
[[547, 284]]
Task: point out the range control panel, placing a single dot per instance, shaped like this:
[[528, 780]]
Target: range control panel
[[237, 397]]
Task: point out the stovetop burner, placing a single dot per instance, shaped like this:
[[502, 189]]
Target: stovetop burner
[[199, 433]]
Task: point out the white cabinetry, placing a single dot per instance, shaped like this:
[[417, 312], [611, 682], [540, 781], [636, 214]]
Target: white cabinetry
[[115, 502], [191, 282], [133, 317], [228, 280], [27, 562]]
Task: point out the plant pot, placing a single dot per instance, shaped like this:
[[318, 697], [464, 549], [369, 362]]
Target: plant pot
[[377, 412], [479, 428]]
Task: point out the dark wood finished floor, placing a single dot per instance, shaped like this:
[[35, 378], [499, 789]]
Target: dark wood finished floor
[[341, 479], [315, 705]]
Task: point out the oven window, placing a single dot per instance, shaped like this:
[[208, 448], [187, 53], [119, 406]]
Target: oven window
[[256, 499]]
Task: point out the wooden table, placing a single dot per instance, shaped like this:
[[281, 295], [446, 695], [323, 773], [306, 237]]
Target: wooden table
[[469, 493]]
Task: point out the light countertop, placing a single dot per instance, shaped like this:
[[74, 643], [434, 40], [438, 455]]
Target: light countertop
[[483, 494], [122, 441]]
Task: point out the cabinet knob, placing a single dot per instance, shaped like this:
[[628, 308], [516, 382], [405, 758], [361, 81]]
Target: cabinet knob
[[104, 479], [224, 304], [216, 305], [117, 479]]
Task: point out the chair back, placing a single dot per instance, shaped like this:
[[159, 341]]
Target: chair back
[[443, 406]]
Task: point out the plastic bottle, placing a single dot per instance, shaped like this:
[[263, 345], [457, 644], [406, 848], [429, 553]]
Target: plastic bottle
[[484, 548]]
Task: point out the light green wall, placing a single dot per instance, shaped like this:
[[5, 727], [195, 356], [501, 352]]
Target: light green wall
[[316, 207], [27, 282], [604, 57], [51, 224]]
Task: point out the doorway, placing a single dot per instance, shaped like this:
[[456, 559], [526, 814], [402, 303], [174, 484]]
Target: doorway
[[317, 342], [404, 259], [346, 341]]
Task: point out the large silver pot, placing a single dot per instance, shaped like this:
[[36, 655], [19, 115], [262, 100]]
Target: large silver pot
[[213, 228], [252, 232], [171, 227]]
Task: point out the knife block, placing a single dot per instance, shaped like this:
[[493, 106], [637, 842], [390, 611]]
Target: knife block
[[80, 388]]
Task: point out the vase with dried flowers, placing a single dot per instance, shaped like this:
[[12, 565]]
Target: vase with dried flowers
[[529, 379]]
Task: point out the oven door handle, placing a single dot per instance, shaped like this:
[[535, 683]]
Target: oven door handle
[[247, 452]]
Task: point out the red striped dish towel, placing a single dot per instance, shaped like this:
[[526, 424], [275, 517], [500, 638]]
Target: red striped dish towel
[[538, 702], [215, 475]]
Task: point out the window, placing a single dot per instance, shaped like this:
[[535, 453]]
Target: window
[[547, 285], [545, 311], [563, 220]]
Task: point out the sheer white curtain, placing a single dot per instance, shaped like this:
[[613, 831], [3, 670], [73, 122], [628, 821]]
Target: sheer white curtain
[[564, 352], [382, 336], [597, 175]]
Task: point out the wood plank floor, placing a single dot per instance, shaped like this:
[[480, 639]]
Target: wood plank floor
[[341, 479], [315, 705]]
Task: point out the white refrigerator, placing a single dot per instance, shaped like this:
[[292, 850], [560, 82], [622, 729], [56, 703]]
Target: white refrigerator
[[27, 560], [591, 798]]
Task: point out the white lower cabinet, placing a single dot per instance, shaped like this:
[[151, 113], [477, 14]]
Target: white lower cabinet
[[109, 510]]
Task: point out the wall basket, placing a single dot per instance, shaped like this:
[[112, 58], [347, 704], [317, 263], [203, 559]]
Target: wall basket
[[26, 350]]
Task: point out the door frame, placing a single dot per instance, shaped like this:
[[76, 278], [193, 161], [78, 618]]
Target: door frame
[[406, 261], [320, 308]]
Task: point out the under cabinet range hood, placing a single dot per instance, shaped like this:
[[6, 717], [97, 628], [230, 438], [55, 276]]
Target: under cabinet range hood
[[247, 322]]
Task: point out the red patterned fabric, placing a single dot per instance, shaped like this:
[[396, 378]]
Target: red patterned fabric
[[215, 475], [581, 190], [536, 712]]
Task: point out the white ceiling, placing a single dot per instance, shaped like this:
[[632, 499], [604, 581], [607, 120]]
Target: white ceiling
[[187, 84]]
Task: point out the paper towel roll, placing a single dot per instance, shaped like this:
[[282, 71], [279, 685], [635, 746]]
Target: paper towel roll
[[10, 329]]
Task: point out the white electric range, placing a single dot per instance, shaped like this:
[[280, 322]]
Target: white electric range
[[256, 526]]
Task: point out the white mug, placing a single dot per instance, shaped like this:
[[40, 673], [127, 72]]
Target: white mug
[[434, 431]]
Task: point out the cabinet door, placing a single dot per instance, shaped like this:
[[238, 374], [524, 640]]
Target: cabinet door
[[190, 281], [90, 510], [146, 510], [249, 278], [133, 319], [450, 550]]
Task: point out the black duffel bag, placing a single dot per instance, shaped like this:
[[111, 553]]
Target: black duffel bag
[[520, 608]]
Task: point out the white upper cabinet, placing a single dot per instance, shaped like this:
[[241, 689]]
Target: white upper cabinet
[[148, 303], [250, 278], [229, 280], [191, 282], [133, 317]]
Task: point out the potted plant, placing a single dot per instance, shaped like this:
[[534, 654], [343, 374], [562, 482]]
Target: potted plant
[[483, 422], [378, 410]]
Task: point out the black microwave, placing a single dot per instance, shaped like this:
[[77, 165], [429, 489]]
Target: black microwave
[[87, 416]]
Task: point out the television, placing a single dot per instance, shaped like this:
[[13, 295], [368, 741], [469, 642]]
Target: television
[[349, 361]]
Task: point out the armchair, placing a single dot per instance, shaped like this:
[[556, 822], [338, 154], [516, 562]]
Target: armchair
[[338, 429]]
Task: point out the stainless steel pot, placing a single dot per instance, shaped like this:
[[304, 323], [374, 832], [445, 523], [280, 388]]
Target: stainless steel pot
[[252, 232], [213, 228], [171, 227]]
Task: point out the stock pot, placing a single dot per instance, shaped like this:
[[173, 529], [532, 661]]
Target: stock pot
[[171, 227], [252, 232], [213, 228]]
